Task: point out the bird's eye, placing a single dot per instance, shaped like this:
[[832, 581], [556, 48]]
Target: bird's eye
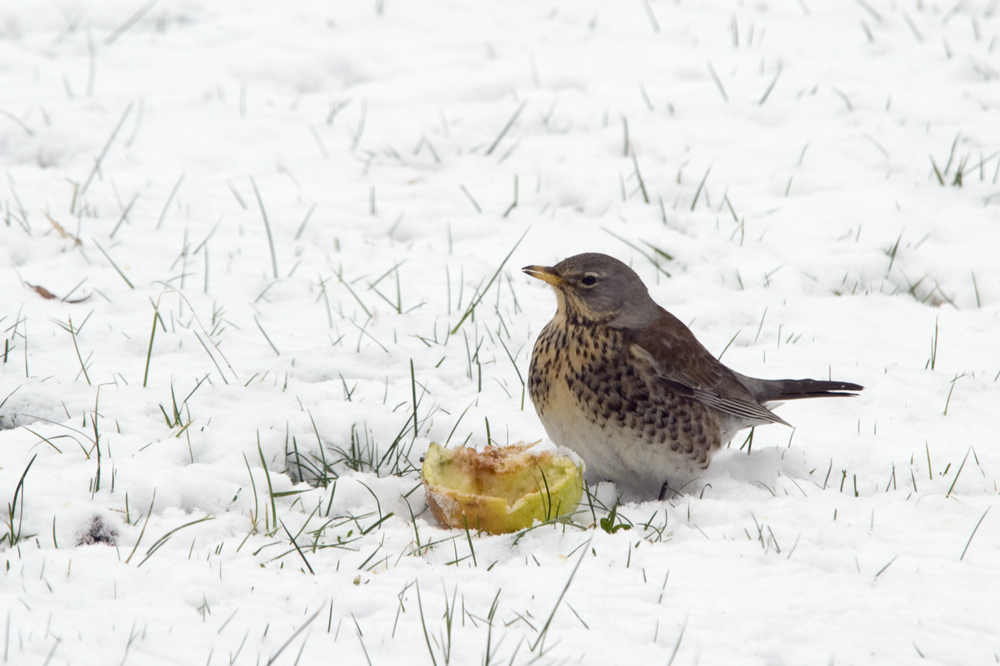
[[589, 281]]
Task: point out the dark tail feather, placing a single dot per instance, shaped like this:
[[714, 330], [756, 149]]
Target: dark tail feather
[[794, 389]]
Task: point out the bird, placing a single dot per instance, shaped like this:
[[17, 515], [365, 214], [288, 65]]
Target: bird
[[626, 385]]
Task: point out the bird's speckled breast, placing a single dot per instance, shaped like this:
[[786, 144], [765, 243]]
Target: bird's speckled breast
[[594, 397]]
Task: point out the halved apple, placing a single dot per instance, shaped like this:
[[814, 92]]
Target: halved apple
[[501, 489]]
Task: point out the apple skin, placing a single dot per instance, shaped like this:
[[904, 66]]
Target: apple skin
[[501, 489]]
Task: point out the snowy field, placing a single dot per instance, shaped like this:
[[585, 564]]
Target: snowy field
[[256, 256]]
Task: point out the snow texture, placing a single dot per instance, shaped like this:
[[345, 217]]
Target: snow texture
[[243, 244]]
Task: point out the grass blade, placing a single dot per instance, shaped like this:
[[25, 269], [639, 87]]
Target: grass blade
[[506, 128], [267, 227], [127, 281], [479, 297], [964, 550]]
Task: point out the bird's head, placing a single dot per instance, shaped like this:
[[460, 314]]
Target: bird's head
[[598, 289]]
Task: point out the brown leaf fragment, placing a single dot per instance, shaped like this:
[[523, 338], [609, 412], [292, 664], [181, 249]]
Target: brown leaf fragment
[[42, 291]]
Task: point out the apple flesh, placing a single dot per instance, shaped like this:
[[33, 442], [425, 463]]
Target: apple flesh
[[500, 489]]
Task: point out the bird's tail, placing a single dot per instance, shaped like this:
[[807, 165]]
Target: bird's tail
[[770, 390]]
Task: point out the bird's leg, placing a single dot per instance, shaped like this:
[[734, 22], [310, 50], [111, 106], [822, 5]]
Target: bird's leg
[[668, 493]]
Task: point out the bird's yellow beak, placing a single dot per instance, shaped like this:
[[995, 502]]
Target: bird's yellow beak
[[545, 274]]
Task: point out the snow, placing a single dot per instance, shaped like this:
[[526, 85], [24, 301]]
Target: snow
[[143, 148]]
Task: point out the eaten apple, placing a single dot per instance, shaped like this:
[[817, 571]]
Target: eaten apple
[[501, 488]]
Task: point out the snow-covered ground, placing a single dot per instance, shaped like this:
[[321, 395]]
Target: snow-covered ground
[[244, 242]]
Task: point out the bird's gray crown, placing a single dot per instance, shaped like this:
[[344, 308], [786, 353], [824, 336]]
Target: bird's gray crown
[[599, 287]]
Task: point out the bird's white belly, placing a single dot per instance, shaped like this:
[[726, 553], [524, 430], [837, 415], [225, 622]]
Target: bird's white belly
[[612, 453]]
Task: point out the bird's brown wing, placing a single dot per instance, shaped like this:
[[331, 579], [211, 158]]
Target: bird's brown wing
[[679, 359]]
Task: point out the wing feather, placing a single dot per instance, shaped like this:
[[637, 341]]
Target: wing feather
[[679, 360]]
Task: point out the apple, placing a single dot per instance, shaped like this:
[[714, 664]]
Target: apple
[[501, 489]]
